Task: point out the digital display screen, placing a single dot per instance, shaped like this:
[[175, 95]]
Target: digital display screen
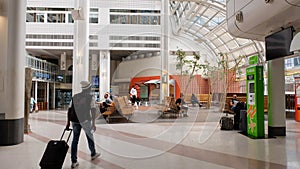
[[95, 81], [251, 88], [278, 44]]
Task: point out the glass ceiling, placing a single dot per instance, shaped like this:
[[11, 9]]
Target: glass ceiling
[[205, 22]]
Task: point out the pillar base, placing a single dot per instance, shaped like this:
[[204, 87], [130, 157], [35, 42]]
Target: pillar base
[[11, 132], [276, 131]]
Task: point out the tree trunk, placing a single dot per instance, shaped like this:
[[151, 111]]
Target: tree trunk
[[28, 84]]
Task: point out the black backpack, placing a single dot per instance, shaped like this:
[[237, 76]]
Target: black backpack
[[72, 114], [226, 123]]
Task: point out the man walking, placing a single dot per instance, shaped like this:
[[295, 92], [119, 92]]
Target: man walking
[[82, 114]]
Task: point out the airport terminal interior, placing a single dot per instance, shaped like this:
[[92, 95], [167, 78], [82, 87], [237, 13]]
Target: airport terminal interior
[[187, 60]]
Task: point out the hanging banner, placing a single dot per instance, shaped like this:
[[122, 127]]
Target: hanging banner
[[94, 62], [63, 60]]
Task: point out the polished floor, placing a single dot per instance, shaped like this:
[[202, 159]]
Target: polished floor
[[148, 142]]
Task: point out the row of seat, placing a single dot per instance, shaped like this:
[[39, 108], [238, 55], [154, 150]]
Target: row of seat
[[204, 99], [121, 108]]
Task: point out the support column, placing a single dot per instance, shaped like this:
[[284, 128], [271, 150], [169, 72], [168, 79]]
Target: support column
[[54, 95], [104, 73], [47, 94], [164, 51], [12, 71], [81, 44], [276, 98], [36, 91], [28, 85]]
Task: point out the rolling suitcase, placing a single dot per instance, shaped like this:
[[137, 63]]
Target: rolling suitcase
[[55, 153], [243, 121]]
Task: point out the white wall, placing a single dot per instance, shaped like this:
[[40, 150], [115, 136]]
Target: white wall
[[52, 3], [127, 4], [140, 67]]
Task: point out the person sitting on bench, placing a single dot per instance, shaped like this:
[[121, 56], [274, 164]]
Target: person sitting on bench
[[106, 103], [195, 100], [233, 102], [179, 103]]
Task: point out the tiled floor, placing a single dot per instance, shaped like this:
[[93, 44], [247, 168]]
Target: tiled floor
[[194, 142]]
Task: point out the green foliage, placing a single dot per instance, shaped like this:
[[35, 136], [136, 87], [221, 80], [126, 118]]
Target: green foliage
[[188, 66]]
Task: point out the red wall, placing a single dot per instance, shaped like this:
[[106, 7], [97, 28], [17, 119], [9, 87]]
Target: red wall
[[197, 85]]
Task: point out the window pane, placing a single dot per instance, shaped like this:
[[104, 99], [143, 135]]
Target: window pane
[[29, 17]]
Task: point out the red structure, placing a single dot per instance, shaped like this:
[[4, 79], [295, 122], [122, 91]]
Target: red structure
[[197, 85], [297, 99]]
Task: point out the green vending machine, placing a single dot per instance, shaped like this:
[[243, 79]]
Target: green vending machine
[[255, 101]]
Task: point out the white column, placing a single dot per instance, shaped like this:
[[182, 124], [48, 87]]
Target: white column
[[53, 99], [104, 73], [35, 90], [276, 98], [164, 51], [12, 70], [81, 45]]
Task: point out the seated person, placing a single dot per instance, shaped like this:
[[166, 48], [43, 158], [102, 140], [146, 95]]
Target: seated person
[[233, 102], [179, 103], [111, 96], [195, 100], [107, 102]]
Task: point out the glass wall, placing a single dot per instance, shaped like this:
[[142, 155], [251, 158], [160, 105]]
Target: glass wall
[[127, 16], [56, 15], [46, 71]]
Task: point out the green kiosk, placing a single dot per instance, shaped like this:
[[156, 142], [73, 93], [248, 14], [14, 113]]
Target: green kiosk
[[255, 99]]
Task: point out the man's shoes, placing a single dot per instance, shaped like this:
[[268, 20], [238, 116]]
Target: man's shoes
[[95, 156], [74, 165]]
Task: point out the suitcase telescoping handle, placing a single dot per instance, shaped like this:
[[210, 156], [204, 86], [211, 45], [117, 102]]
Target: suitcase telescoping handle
[[70, 130]]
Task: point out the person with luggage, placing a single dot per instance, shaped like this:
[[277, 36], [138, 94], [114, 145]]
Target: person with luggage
[[82, 114]]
